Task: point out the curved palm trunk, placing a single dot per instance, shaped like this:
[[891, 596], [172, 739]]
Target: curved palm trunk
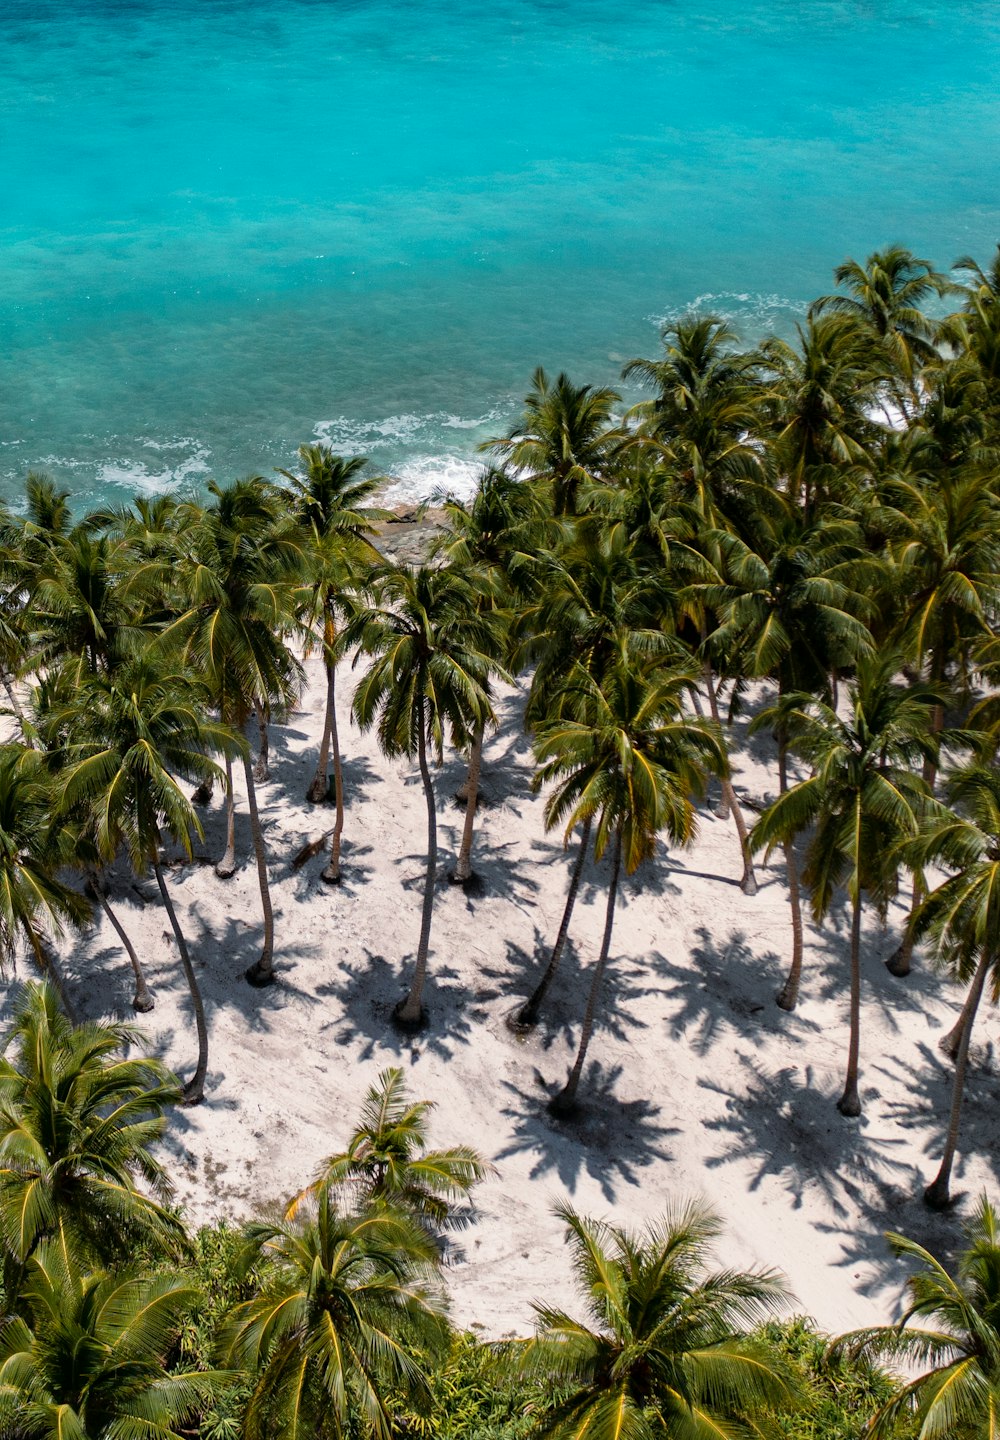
[[900, 962], [948, 1044], [850, 1102], [194, 1090], [332, 872], [788, 995], [262, 972], [227, 865], [50, 969], [565, 1102], [261, 772], [937, 1194], [142, 1000], [462, 873], [410, 1013], [748, 882], [319, 784], [527, 1016]]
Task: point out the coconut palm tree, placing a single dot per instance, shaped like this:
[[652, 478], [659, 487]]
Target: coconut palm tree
[[824, 390], [625, 756], [349, 1310], [78, 1120], [127, 738], [432, 650], [242, 577], [566, 439], [706, 419], [861, 800], [330, 501], [90, 1359], [664, 1348], [84, 603], [788, 612], [492, 540], [959, 1394], [32, 897], [962, 916], [886, 295], [387, 1161]]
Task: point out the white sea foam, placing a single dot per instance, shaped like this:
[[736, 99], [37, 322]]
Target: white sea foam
[[393, 432], [137, 477], [432, 477], [750, 311]]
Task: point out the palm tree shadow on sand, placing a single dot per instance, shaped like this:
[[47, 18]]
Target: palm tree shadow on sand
[[367, 993], [609, 1139], [922, 1095], [726, 984]]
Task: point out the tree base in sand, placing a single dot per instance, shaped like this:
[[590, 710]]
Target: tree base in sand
[[407, 1023]]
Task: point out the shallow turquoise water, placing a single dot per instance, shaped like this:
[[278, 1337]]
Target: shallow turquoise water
[[230, 226]]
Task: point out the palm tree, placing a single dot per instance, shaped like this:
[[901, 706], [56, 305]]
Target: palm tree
[[706, 419], [387, 1161], [90, 1360], [330, 501], [787, 612], [946, 566], [566, 439], [241, 578], [627, 757], [885, 295], [433, 651], [823, 394], [664, 1349], [32, 897], [347, 1312], [127, 737], [491, 540], [78, 1120], [962, 916], [959, 1395], [84, 603], [860, 802]]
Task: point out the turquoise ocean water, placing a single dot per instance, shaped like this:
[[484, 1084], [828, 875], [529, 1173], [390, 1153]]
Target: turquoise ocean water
[[231, 226]]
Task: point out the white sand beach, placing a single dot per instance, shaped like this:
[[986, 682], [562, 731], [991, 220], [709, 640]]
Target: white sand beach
[[696, 1083]]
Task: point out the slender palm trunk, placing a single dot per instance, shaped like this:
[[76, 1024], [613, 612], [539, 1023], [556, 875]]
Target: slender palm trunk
[[462, 873], [15, 705], [748, 883], [565, 1102], [850, 1102], [320, 784], [262, 972], [948, 1044], [788, 995], [410, 1014], [194, 1090], [227, 865], [50, 969], [528, 1014], [261, 772], [332, 872], [142, 1000], [900, 961], [937, 1194]]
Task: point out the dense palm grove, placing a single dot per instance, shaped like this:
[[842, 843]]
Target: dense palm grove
[[810, 528]]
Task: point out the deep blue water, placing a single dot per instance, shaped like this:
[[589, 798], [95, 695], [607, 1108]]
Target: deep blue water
[[230, 226]]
